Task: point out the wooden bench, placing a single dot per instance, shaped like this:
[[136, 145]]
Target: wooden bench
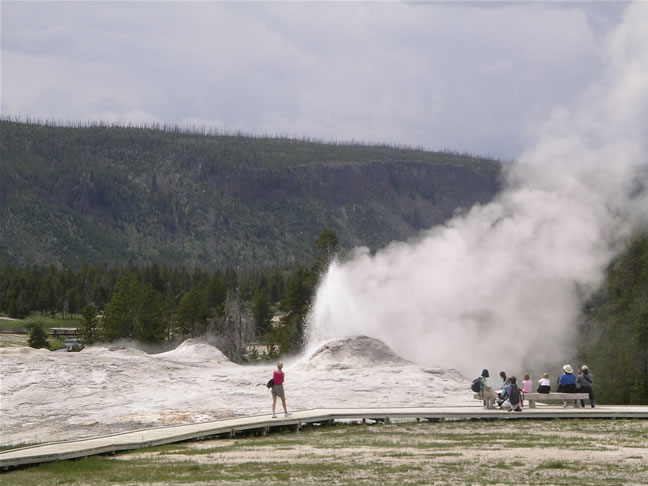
[[477, 396], [532, 398], [63, 331]]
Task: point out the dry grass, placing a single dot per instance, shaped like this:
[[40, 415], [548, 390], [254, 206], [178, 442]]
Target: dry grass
[[570, 452]]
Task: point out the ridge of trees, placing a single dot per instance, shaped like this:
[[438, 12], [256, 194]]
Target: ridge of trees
[[100, 193], [158, 304], [211, 131]]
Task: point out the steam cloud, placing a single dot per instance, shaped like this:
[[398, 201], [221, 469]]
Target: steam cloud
[[503, 284]]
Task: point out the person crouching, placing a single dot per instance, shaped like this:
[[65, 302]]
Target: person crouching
[[511, 393]]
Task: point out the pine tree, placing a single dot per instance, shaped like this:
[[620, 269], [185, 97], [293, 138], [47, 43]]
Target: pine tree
[[192, 313], [89, 323], [119, 319], [262, 312], [37, 337], [151, 315]]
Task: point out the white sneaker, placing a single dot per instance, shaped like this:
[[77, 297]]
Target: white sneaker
[[288, 414], [274, 415]]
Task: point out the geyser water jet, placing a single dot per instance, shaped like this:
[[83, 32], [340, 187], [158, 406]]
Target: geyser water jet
[[503, 284]]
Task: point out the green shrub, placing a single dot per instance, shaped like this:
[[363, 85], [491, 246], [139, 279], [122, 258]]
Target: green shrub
[[37, 336]]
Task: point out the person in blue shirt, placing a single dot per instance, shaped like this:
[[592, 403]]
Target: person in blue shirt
[[567, 382]]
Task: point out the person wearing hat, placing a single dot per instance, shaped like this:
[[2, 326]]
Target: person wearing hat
[[567, 382], [584, 379]]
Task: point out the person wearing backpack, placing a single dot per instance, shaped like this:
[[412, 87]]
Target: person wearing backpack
[[511, 393], [486, 392]]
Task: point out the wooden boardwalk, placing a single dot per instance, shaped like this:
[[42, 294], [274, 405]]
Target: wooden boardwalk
[[263, 424]]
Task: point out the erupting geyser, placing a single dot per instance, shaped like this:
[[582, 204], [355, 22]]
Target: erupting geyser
[[513, 274]]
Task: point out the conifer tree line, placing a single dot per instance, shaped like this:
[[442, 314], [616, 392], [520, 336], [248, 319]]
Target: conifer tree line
[[614, 332], [194, 129], [158, 304], [162, 304]]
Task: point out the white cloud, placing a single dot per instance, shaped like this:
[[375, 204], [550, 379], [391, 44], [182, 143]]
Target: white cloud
[[437, 75], [49, 87]]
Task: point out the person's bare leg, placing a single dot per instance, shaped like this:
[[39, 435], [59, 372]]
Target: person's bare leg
[[283, 402], [274, 403]]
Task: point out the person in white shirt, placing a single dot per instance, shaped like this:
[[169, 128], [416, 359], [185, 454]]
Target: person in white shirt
[[544, 384]]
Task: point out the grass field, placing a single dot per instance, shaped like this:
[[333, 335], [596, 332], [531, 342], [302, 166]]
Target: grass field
[[15, 331], [557, 452], [21, 325]]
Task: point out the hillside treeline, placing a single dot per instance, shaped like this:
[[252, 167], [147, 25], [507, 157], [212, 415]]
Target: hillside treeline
[[160, 304], [614, 334], [107, 194]]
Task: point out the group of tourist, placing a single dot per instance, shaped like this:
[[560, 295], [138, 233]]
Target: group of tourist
[[509, 396]]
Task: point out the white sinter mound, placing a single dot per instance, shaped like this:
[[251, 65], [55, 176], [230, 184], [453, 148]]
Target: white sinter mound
[[47, 396], [352, 352], [195, 350]]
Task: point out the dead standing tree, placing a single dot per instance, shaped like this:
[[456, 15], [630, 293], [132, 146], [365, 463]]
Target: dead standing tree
[[234, 328]]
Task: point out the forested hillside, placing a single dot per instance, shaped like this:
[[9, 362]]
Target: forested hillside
[[113, 194], [614, 334]]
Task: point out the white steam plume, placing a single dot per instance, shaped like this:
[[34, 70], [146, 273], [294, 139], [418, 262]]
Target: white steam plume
[[507, 280]]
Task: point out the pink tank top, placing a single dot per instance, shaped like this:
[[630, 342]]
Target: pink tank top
[[278, 377]]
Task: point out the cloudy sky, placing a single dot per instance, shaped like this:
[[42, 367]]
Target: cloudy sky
[[467, 76]]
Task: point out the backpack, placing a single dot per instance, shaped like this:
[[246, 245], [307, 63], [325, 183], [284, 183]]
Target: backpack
[[476, 385], [514, 395], [270, 383]]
